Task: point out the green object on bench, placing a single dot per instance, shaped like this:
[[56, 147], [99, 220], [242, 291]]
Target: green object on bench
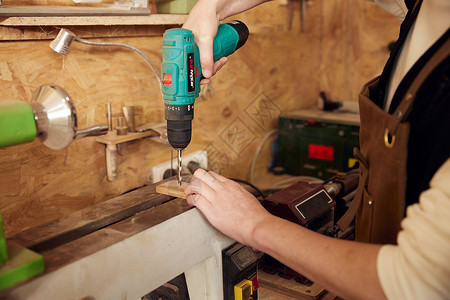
[[3, 250], [21, 265], [16, 262]]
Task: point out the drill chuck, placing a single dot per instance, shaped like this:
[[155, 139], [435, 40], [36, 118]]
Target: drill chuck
[[179, 124]]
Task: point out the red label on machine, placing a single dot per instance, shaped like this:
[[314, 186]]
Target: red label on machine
[[321, 152]]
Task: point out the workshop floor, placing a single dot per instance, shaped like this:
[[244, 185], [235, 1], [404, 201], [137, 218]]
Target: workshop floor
[[269, 294], [274, 287]]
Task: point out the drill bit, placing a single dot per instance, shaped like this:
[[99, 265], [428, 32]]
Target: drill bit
[[179, 167]]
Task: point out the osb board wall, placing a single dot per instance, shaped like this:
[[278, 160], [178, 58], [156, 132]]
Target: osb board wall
[[277, 71], [38, 183]]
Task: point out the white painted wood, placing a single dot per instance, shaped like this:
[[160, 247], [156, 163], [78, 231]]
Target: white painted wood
[[205, 280]]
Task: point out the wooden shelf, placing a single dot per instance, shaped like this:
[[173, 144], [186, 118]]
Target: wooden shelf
[[113, 139], [155, 19]]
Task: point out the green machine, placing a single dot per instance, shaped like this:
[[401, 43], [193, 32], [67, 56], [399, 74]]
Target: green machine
[[51, 117], [317, 143]]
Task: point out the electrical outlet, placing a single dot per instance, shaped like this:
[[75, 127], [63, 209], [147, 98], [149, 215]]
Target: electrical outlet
[[157, 172]]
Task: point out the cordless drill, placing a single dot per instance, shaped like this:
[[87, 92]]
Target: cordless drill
[[181, 73]]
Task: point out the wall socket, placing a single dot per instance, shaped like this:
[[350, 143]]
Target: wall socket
[[157, 172]]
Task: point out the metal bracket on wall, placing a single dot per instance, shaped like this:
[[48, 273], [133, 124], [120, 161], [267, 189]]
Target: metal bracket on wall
[[119, 8], [291, 8]]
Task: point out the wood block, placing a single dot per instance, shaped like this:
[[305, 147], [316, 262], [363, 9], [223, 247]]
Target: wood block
[[172, 188]]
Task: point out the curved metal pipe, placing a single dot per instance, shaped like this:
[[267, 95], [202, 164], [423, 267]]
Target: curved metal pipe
[[65, 37]]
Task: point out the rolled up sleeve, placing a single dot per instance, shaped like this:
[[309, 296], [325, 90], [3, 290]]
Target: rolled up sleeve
[[418, 267]]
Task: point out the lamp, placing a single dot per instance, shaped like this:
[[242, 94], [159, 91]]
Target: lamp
[[50, 116], [65, 37]]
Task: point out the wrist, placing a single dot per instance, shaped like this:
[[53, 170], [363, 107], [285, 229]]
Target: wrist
[[221, 8], [261, 232]]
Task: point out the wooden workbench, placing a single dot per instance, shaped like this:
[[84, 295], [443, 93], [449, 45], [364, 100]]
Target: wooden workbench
[[123, 248]]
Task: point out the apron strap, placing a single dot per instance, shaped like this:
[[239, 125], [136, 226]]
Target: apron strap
[[405, 106], [347, 218]]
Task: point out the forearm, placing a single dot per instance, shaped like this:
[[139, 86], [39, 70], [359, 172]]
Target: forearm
[[223, 8], [342, 267], [346, 268], [228, 8]]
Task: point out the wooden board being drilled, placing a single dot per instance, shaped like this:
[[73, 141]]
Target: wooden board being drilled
[[172, 188]]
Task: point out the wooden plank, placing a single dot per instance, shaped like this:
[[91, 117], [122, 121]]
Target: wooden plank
[[112, 138], [155, 19], [172, 188], [90, 219], [51, 2], [22, 33], [49, 10], [325, 116], [90, 243]]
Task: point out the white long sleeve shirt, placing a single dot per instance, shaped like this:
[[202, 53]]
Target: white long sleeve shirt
[[418, 267]]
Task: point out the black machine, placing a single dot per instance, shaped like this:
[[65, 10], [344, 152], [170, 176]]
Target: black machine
[[314, 206], [240, 272]]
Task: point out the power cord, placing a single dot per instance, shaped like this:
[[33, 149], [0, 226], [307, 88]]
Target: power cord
[[257, 190], [266, 137]]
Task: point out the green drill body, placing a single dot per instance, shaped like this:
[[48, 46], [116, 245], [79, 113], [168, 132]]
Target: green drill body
[[181, 73]]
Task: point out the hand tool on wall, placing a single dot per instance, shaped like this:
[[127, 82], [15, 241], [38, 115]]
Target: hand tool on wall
[[291, 8], [181, 73]]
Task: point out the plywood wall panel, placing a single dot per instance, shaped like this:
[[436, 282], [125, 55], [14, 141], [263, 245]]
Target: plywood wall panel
[[277, 71], [59, 182], [353, 46]]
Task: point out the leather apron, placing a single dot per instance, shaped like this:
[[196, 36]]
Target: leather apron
[[379, 203]]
